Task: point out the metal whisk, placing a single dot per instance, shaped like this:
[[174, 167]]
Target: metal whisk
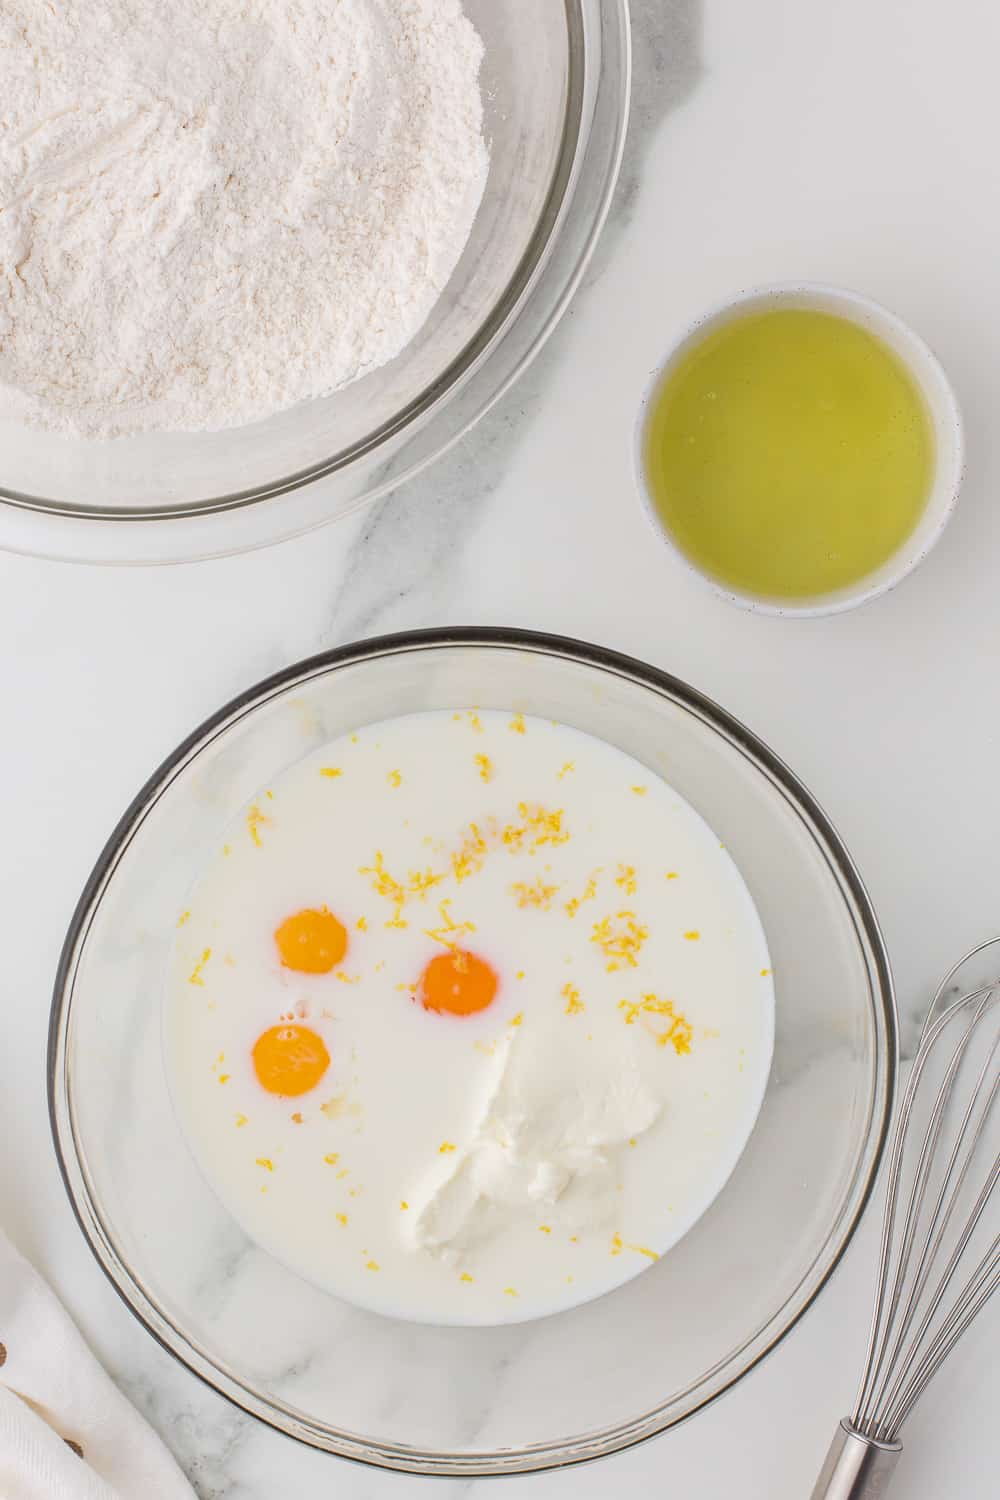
[[938, 1265]]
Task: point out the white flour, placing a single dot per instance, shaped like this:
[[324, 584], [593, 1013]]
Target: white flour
[[212, 209]]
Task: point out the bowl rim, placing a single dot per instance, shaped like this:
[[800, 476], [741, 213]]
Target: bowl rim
[[550, 1454], [924, 368], [593, 141]]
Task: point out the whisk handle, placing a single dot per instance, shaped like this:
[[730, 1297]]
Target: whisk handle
[[856, 1468]]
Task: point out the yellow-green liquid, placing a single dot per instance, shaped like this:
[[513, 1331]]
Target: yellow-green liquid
[[789, 453]]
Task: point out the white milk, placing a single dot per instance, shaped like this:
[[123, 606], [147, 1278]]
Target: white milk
[[503, 1165]]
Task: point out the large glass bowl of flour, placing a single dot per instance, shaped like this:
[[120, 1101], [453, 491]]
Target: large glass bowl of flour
[[454, 1400], [554, 84]]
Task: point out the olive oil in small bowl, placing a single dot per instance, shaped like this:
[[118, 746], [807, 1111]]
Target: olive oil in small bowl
[[800, 449]]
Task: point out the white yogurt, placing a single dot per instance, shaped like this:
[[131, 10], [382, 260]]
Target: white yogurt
[[501, 1165]]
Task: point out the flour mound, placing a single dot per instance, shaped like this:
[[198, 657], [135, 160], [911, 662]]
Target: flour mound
[[213, 209]]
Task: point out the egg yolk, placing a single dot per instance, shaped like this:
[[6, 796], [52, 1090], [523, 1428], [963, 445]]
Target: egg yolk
[[290, 1060], [311, 941], [459, 983]]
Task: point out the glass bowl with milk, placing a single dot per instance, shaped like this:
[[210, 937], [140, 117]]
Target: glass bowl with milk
[[473, 998]]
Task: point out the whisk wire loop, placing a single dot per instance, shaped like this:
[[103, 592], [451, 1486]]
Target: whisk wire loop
[[893, 1362], [933, 1230]]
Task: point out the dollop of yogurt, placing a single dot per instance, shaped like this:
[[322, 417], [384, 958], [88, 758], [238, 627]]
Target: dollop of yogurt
[[558, 1113]]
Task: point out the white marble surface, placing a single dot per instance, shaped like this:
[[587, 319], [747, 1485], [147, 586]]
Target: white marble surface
[[853, 143]]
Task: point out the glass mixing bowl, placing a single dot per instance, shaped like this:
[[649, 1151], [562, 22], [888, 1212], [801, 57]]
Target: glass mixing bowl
[[475, 1401], [555, 87]]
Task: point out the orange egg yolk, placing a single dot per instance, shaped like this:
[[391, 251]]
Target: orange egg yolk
[[311, 941], [290, 1060], [459, 983]]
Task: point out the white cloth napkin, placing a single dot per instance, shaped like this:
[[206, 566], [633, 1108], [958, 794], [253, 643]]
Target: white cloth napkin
[[66, 1431]]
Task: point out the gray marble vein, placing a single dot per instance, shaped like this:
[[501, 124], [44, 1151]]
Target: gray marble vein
[[666, 68], [403, 564]]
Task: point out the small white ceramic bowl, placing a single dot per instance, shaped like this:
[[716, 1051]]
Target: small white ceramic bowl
[[942, 407]]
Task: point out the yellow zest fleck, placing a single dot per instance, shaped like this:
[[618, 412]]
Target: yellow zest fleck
[[334, 1107], [545, 1228], [516, 1020], [224, 1077], [519, 974], [692, 936], [513, 837], [384, 884], [570, 993], [471, 854], [486, 772], [679, 1031], [297, 1118], [254, 820], [672, 875], [183, 918], [270, 796], [618, 1245], [332, 1158], [543, 826], [764, 973], [640, 791], [240, 1120], [465, 1276], [450, 931], [227, 849], [344, 1172], [330, 771], [574, 1239], [538, 894], [372, 1265], [403, 1204], [509, 1291], [626, 879], [362, 924], [620, 939], [535, 827], [195, 975], [380, 966], [445, 1147], [422, 881], [341, 1220], [475, 722], [677, 1035], [395, 778], [569, 766], [589, 892], [517, 724], [632, 1140], [266, 1163]]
